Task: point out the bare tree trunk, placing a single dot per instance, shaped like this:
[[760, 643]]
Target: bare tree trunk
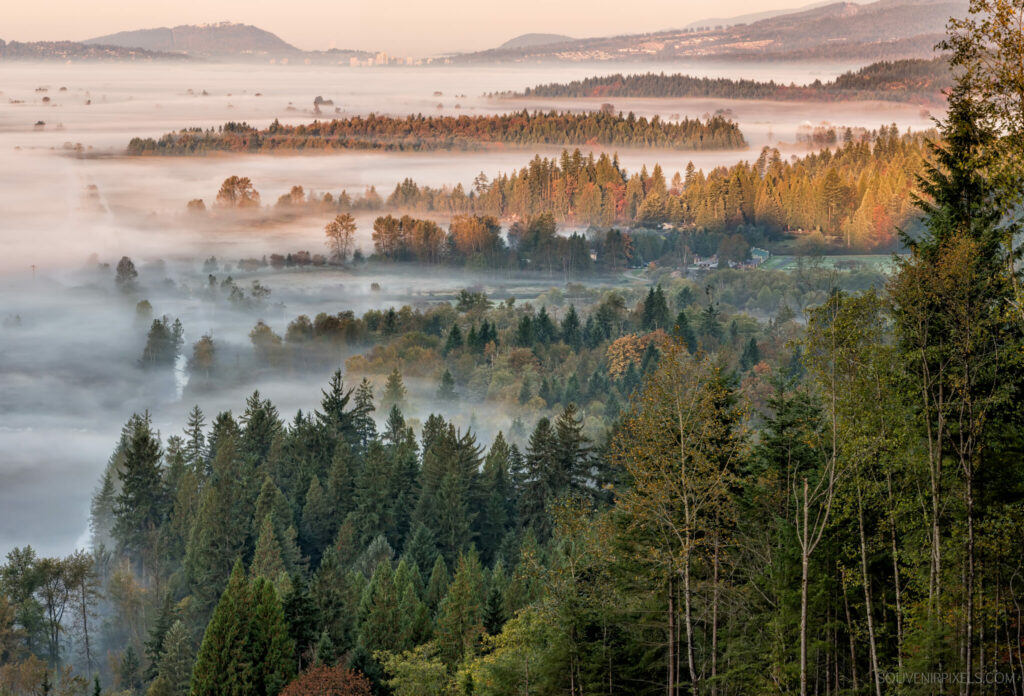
[[849, 637], [85, 625], [688, 607], [671, 639], [969, 659], [895, 575], [867, 596], [714, 618], [804, 570]]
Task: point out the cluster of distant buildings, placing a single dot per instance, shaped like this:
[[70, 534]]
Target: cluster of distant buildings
[[382, 58], [757, 257]]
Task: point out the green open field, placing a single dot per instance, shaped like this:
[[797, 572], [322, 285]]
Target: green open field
[[882, 263]]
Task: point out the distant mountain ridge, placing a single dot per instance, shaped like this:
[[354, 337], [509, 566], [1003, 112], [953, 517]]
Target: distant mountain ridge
[[225, 38], [76, 51], [531, 40], [883, 30], [715, 22]]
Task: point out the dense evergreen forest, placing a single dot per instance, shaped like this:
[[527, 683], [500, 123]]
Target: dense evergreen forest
[[419, 132], [900, 80], [829, 503]]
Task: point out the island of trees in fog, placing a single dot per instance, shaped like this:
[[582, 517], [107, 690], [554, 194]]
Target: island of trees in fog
[[901, 80], [412, 133]]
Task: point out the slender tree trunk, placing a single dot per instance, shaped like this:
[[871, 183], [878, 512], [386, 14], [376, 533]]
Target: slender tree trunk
[[872, 645], [804, 570], [895, 575], [85, 626], [671, 638], [849, 638], [969, 584], [688, 607], [714, 618]]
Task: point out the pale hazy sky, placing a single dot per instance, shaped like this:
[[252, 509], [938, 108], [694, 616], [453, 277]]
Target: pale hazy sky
[[400, 27]]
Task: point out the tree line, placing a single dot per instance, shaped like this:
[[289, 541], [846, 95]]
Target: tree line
[[899, 80], [418, 132], [856, 194]]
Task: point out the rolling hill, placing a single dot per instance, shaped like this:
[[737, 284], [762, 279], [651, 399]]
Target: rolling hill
[[220, 39], [534, 40]]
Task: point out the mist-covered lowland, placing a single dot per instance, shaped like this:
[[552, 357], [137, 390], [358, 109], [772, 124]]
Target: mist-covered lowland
[[561, 378]]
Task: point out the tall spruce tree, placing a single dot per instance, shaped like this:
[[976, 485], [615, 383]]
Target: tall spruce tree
[[224, 664], [142, 503]]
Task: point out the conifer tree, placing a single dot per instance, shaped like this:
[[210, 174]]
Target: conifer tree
[[303, 619], [380, 623], [446, 387], [574, 468], [154, 647], [195, 441], [273, 504], [102, 517], [437, 586], [751, 355], [421, 547], [572, 333], [417, 624], [175, 666], [220, 530], [224, 663], [544, 331], [454, 340], [460, 615], [394, 391], [266, 560], [260, 425], [362, 419], [655, 310], [341, 483], [128, 671], [334, 418], [373, 497], [271, 650], [524, 391], [142, 503], [496, 516], [326, 653], [494, 616], [335, 604], [538, 485], [317, 530]]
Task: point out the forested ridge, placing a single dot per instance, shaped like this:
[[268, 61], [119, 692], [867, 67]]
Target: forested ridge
[[418, 132], [900, 80], [834, 506]]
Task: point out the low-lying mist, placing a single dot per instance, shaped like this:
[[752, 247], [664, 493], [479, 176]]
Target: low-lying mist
[[71, 341]]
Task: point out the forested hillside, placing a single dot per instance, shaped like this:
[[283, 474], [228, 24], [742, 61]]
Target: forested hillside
[[451, 133], [901, 80], [712, 483]]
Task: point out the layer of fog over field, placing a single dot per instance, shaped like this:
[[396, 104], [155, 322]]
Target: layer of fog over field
[[70, 342]]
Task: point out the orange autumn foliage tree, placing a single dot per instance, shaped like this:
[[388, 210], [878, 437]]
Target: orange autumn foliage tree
[[329, 681], [629, 350]]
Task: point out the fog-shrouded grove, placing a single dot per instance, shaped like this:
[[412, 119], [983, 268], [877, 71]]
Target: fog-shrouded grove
[[430, 382]]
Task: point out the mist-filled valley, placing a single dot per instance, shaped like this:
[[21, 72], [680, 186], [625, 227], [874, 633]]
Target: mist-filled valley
[[494, 378], [70, 373]]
